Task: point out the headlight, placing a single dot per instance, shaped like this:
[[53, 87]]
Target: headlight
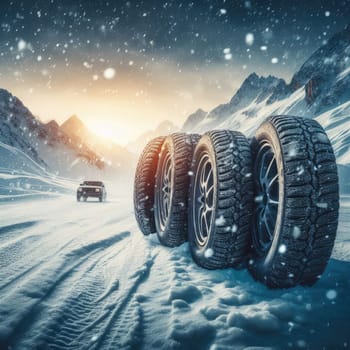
[[97, 190], [80, 189]]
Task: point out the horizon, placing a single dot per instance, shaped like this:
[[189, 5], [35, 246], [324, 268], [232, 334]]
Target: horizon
[[98, 66]]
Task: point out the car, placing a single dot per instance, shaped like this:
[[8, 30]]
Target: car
[[269, 204], [95, 189]]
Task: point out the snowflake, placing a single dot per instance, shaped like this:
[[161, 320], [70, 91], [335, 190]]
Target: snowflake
[[296, 232], [220, 221], [331, 294], [322, 205], [109, 73], [282, 248], [209, 253], [249, 39], [22, 45]]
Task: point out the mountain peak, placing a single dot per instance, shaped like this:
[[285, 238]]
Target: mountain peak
[[4, 92], [73, 121], [194, 119], [260, 81], [73, 125], [252, 77], [258, 87], [53, 124], [327, 61]]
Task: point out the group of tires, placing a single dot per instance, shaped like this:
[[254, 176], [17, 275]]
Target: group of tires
[[269, 204]]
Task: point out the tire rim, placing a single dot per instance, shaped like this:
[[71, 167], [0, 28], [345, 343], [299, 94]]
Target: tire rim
[[267, 199], [203, 200], [165, 192]]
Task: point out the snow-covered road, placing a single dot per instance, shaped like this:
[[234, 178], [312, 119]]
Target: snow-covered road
[[81, 276]]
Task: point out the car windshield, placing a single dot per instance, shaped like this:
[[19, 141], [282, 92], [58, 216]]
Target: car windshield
[[93, 183]]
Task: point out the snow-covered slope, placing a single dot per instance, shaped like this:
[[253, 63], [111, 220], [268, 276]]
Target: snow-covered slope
[[254, 90], [69, 281], [320, 89], [22, 177], [52, 147], [111, 153]]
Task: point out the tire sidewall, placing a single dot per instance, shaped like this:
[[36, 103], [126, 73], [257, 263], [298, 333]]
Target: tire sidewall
[[144, 185], [204, 146], [167, 147], [263, 261]]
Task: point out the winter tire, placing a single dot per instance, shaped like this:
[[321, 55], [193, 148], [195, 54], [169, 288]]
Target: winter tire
[[297, 202], [221, 200], [172, 184], [144, 186]]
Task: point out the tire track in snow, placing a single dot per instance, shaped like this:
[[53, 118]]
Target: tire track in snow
[[16, 256], [33, 294], [16, 227], [124, 325], [178, 295], [155, 308], [90, 301]]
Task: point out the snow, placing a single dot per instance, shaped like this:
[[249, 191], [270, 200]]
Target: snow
[[250, 115], [331, 294], [109, 73], [21, 45], [209, 253], [220, 221], [249, 39], [296, 232], [85, 277], [282, 249]]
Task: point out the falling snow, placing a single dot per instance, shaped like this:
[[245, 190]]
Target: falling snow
[[322, 205], [109, 73], [296, 232], [282, 249], [209, 253], [331, 294], [220, 221], [249, 39]]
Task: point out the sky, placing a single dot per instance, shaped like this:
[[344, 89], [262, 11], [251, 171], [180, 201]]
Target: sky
[[124, 66]]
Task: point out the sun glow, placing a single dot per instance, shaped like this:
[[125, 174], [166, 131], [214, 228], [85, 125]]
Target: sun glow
[[119, 133], [102, 130]]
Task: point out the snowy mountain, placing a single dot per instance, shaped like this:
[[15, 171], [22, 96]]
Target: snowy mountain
[[194, 119], [254, 88], [111, 153], [164, 128], [53, 147], [17, 125], [320, 89]]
